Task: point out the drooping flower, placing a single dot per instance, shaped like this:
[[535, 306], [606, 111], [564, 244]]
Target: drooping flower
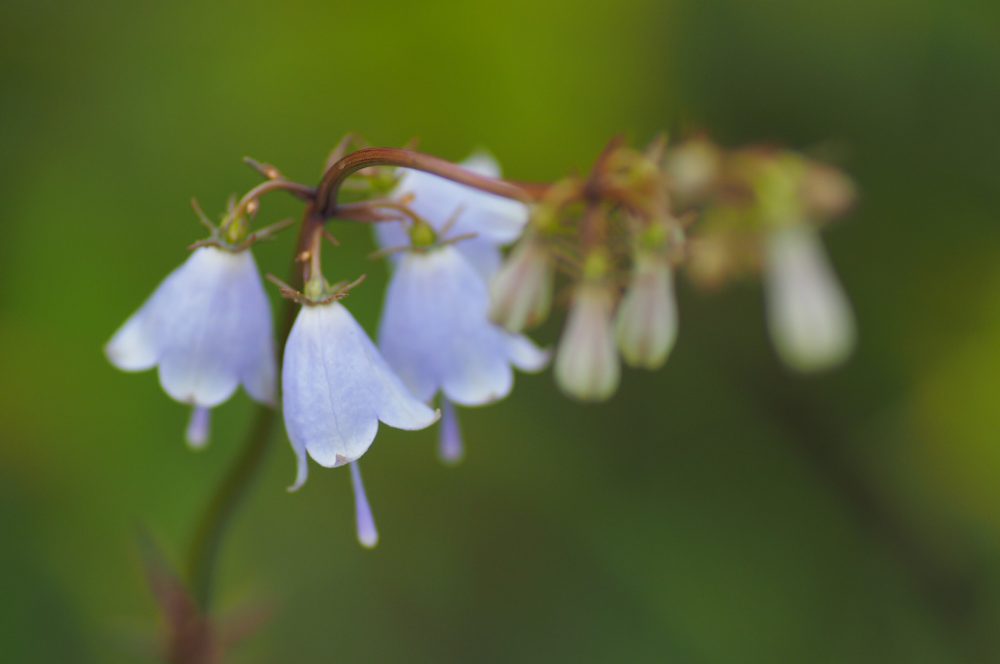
[[438, 298], [521, 291], [808, 315], [587, 365], [646, 322], [436, 334], [336, 389], [208, 328], [490, 221]]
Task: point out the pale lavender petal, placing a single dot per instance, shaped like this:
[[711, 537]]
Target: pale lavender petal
[[133, 347], [435, 332], [481, 254], [367, 533], [197, 378], [392, 235], [450, 447], [329, 404], [259, 367], [525, 355], [198, 427], [301, 467], [207, 326]]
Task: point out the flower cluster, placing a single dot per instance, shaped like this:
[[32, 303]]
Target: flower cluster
[[454, 314], [620, 234]]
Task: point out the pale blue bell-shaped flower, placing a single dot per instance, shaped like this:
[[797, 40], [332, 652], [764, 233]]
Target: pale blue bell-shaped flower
[[336, 387], [436, 334], [435, 328], [208, 328], [808, 314]]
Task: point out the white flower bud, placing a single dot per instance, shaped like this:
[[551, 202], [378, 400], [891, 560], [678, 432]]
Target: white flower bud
[[646, 323], [521, 292], [808, 315], [587, 364], [693, 167]]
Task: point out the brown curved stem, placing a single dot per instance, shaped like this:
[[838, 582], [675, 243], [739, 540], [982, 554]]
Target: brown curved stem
[[326, 193], [298, 190]]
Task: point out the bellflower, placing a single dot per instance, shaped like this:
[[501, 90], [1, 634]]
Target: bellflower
[[436, 334], [336, 389], [808, 314], [646, 323], [587, 365], [418, 333], [207, 327]]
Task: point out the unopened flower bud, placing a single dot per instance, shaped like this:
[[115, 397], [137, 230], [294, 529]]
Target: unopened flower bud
[[646, 323], [521, 292], [587, 361], [693, 168], [808, 315]]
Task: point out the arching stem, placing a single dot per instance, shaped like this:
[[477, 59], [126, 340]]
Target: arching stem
[[326, 193]]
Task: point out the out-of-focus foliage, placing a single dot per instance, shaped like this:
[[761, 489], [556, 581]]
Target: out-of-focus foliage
[[720, 510]]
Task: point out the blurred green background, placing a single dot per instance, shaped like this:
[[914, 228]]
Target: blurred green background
[[720, 510]]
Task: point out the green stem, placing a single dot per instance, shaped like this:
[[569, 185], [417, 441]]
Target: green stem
[[221, 508]]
